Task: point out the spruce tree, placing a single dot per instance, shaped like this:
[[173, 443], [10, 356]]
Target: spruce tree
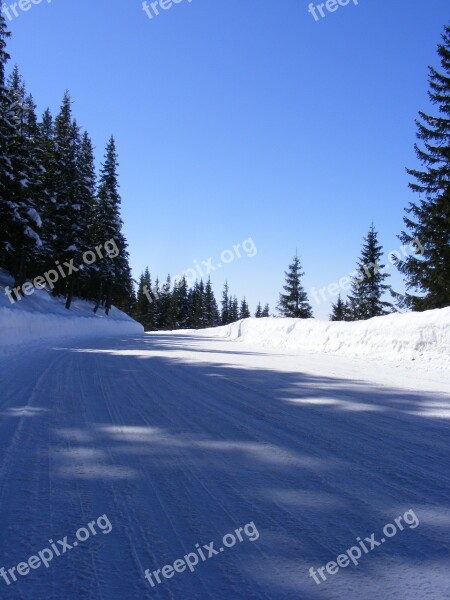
[[427, 221], [225, 314], [266, 311], [294, 302], [212, 312], [22, 189], [6, 133], [368, 287], [88, 204], [234, 310], [46, 148], [244, 312], [340, 311], [115, 273], [144, 310], [258, 312], [167, 311], [67, 246], [183, 303]]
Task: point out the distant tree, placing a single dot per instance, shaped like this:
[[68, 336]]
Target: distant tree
[[225, 313], [427, 272], [368, 287], [258, 312], [294, 302], [244, 312], [266, 311], [167, 308], [183, 303], [234, 310], [144, 310], [340, 311], [212, 317]]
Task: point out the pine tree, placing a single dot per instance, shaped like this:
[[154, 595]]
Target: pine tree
[[167, 312], [182, 303], [197, 318], [144, 311], [234, 310], [266, 311], [22, 188], [225, 314], [427, 272], [368, 287], [67, 243], [46, 150], [340, 311], [258, 312], [212, 312], [115, 273], [244, 312], [294, 303], [86, 196], [7, 216]]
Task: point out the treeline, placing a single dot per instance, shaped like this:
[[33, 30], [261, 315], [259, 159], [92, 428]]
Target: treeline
[[55, 212], [176, 305]]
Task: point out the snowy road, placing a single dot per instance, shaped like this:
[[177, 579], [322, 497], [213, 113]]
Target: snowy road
[[181, 439]]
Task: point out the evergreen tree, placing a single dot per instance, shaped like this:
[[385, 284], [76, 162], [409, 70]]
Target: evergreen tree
[[234, 310], [182, 303], [294, 303], [266, 311], [67, 243], [225, 314], [145, 311], [368, 287], [46, 150], [87, 202], [244, 312], [212, 317], [167, 311], [7, 214], [197, 306], [115, 273], [427, 272], [258, 313], [22, 188], [340, 311], [156, 296]]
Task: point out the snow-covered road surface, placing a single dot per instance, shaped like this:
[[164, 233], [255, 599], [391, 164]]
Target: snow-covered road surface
[[180, 439]]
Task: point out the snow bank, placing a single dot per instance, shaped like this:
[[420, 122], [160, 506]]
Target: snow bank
[[41, 318], [401, 337]]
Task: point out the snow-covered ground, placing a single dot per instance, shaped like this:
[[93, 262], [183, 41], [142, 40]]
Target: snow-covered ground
[[181, 438], [41, 318], [400, 338]]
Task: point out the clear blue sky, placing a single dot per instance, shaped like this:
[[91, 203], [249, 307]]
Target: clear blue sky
[[239, 120]]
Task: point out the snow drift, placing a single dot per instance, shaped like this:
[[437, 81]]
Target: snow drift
[[41, 318], [400, 337]]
